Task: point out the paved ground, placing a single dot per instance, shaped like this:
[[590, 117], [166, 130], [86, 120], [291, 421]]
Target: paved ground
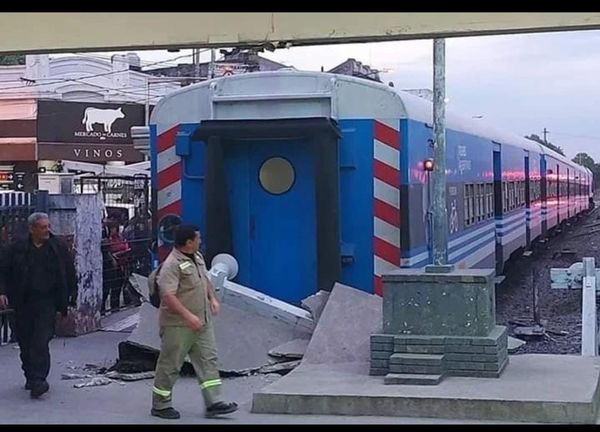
[[130, 403]]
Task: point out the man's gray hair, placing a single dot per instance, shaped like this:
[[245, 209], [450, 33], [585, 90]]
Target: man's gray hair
[[34, 218]]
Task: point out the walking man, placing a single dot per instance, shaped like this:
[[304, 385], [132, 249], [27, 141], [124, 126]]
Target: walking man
[[188, 303], [38, 279]]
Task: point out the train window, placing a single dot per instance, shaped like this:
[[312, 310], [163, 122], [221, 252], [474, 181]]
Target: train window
[[489, 193], [483, 213], [480, 207], [521, 185], [511, 196], [277, 175], [468, 204]]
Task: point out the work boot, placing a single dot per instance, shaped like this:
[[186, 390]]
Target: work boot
[[39, 388], [220, 408], [28, 385], [167, 413]]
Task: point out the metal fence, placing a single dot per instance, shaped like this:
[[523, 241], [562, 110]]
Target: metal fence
[[15, 208], [127, 234]]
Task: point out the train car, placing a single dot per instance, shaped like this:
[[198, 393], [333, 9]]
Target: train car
[[308, 178]]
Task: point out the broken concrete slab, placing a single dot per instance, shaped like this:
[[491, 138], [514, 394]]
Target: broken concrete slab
[[280, 368], [249, 300], [140, 285], [126, 324], [530, 332], [345, 326], [514, 344], [146, 332], [315, 304], [255, 302], [243, 338], [294, 349]]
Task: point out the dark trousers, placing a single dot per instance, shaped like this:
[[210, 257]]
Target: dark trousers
[[35, 324]]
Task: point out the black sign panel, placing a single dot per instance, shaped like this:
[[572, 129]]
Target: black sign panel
[[82, 122]]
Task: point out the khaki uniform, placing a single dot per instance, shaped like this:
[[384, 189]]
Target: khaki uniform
[[186, 279]]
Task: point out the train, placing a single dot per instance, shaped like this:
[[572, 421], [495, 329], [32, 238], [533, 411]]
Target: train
[[310, 178]]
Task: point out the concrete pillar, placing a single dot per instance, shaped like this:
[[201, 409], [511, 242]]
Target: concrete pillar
[[78, 220]]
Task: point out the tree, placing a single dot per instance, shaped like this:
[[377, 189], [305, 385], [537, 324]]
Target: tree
[[585, 160], [11, 60], [536, 138]]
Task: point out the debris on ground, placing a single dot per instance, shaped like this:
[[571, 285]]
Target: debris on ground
[[293, 349], [315, 304], [74, 376], [514, 344], [559, 310], [530, 332], [130, 376], [280, 368], [94, 382]]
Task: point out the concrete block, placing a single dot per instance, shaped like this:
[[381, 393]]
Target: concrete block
[[419, 340], [458, 357], [494, 338], [379, 363], [416, 369], [380, 355], [453, 365], [382, 338], [486, 358], [412, 379], [425, 349], [457, 340], [469, 349], [461, 302], [378, 371], [382, 346], [418, 359]]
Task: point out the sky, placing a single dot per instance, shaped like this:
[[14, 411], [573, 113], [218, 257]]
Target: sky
[[523, 83]]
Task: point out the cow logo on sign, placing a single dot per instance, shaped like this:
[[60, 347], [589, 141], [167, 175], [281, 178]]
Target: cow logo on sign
[[106, 118]]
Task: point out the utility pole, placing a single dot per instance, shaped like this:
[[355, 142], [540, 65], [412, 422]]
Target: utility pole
[[545, 133], [196, 59], [147, 112], [440, 217], [211, 68]]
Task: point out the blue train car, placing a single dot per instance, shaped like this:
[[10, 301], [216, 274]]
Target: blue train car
[[309, 178]]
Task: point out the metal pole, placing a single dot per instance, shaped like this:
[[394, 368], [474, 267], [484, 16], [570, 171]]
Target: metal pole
[[589, 326], [536, 297], [440, 218], [212, 63], [147, 101], [196, 63]]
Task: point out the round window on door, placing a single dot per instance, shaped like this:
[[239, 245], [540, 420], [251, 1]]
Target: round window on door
[[277, 175]]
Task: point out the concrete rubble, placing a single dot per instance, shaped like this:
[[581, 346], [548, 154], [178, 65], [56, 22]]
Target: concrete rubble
[[74, 376], [514, 344], [294, 349], [94, 382], [315, 304], [253, 331]]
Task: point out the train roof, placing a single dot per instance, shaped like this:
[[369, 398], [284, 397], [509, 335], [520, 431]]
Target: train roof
[[339, 96]]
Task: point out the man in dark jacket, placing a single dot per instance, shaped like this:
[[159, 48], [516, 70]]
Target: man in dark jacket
[[37, 279]]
